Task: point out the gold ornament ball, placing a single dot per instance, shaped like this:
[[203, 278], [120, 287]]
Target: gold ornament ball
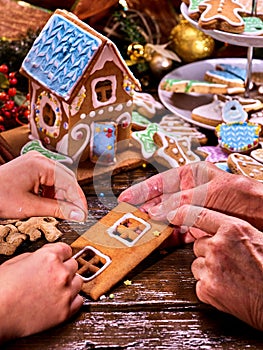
[[160, 64], [190, 43]]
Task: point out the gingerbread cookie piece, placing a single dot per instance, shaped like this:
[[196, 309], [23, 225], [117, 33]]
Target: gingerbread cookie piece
[[146, 105], [235, 134], [225, 77], [36, 226], [224, 15], [245, 165], [193, 86], [114, 246], [139, 122], [178, 127], [173, 152], [14, 232], [144, 140], [212, 154], [257, 154], [210, 114]]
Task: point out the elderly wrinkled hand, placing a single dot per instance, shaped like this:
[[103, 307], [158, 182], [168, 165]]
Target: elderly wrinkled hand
[[201, 184], [229, 263]]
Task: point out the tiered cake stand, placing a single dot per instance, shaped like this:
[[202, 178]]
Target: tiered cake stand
[[249, 41]]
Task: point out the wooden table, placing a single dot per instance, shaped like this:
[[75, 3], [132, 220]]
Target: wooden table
[[158, 311]]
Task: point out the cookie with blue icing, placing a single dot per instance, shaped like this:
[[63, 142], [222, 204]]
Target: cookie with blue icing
[[236, 134], [224, 77]]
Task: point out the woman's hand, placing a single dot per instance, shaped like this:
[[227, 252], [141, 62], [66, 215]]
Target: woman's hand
[[201, 184], [38, 290], [24, 177], [229, 264]]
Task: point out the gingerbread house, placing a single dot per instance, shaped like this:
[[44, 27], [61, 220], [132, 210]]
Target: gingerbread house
[[80, 90]]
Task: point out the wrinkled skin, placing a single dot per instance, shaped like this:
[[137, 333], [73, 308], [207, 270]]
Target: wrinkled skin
[[222, 214]]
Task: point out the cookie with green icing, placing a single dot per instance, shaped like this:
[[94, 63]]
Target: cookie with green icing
[[36, 145]]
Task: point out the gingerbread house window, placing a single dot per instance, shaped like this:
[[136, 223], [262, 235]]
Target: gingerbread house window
[[91, 262], [49, 116], [103, 91], [129, 229]]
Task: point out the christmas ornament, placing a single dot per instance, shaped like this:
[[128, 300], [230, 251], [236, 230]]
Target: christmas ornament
[[190, 43]]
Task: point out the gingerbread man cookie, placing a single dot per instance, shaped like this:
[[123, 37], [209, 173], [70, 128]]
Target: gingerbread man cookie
[[222, 14], [245, 165]]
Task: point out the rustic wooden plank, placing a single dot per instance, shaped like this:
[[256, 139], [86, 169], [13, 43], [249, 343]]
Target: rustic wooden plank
[[181, 329]]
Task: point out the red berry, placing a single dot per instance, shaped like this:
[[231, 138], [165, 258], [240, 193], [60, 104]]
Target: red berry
[[3, 96], [2, 119], [13, 81], [26, 113], [9, 104], [11, 75], [7, 114], [12, 91], [4, 69]]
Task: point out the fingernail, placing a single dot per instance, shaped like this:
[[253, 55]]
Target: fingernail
[[77, 215], [154, 210], [124, 198]]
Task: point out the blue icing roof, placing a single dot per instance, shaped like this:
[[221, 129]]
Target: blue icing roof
[[60, 55]]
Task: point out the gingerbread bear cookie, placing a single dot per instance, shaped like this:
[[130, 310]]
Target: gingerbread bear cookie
[[245, 165], [114, 246], [236, 134]]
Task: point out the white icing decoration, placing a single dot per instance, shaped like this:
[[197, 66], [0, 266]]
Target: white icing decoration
[[83, 116], [78, 100], [124, 118], [111, 230], [119, 107], [33, 127], [92, 114], [50, 99]]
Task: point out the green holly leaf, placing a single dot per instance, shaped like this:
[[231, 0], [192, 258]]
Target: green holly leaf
[[4, 82], [19, 98]]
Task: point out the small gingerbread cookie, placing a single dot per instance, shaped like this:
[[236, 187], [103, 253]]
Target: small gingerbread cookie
[[147, 105], [257, 154], [245, 165], [235, 134], [212, 154], [173, 152], [178, 127], [210, 114], [139, 122], [193, 86]]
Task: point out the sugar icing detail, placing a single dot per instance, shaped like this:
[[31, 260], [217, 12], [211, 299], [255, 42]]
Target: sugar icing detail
[[60, 55]]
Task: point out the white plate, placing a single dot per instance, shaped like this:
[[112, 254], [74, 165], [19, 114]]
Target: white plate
[[231, 38], [183, 104]]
